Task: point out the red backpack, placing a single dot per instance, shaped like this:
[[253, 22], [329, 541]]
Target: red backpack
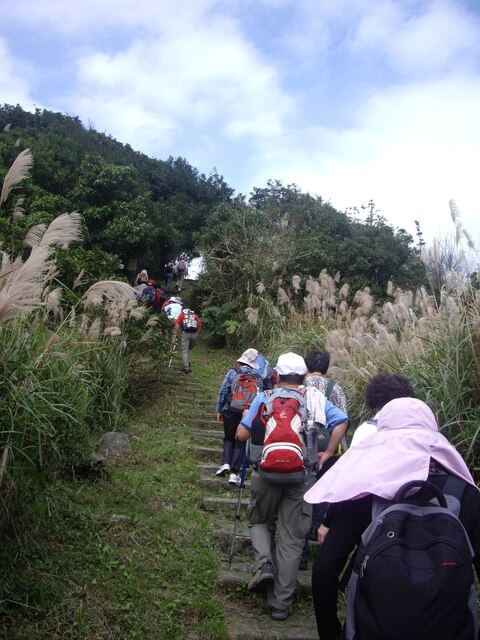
[[243, 391], [283, 446]]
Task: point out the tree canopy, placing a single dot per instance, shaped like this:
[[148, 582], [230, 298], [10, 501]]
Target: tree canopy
[[139, 208]]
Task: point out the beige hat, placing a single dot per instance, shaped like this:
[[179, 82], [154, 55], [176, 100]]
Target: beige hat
[[249, 357], [291, 364]]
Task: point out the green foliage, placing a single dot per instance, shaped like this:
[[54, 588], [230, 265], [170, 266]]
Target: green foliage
[[221, 323], [53, 391], [134, 206], [283, 232], [91, 265], [128, 555]]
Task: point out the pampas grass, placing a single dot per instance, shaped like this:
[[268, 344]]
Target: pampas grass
[[110, 291], [17, 172]]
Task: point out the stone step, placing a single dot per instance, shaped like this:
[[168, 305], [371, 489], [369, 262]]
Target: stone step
[[209, 434], [221, 483], [256, 624], [208, 453], [223, 533], [203, 421], [213, 503], [199, 396], [208, 467], [237, 576]]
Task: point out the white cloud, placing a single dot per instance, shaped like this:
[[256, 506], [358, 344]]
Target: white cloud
[[398, 81], [78, 19], [430, 40], [411, 150], [14, 79], [204, 76]]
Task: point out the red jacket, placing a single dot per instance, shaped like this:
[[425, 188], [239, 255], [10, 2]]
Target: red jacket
[[182, 317]]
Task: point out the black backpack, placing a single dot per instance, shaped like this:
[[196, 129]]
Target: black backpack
[[412, 577]]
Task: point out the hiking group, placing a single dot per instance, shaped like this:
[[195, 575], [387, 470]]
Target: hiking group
[[186, 324], [396, 514]]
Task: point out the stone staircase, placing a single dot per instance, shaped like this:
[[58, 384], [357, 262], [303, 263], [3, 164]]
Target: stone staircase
[[247, 615]]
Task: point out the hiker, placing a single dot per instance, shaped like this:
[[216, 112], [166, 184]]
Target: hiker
[[331, 558], [407, 446], [266, 371], [168, 274], [154, 296], [318, 363], [276, 424], [139, 289], [244, 380], [172, 308], [188, 324], [181, 269], [142, 276]]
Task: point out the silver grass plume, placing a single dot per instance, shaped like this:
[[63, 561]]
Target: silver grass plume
[[137, 313], [454, 211], [63, 230], [78, 280], [83, 323], [17, 172], [151, 322], [94, 330], [23, 287], [296, 283], [53, 300], [343, 293], [18, 210], [252, 315], [470, 242], [34, 235], [260, 287], [112, 291], [112, 332], [282, 296], [72, 317], [7, 127]]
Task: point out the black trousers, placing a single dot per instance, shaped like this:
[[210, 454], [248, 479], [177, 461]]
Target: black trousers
[[349, 522], [232, 448]]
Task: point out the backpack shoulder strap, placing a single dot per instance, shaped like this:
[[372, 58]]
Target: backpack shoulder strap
[[272, 394], [329, 388], [453, 489]]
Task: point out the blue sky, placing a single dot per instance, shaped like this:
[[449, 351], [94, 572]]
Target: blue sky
[[351, 100]]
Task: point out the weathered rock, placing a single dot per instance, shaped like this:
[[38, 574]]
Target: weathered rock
[[115, 445]]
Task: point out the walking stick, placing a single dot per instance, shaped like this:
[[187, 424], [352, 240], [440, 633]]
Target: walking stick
[[239, 503], [173, 351]]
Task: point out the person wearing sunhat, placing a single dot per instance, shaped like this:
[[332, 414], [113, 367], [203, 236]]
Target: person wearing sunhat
[[172, 307], [233, 449], [276, 503]]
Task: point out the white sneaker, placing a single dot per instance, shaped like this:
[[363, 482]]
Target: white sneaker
[[223, 470], [234, 479]]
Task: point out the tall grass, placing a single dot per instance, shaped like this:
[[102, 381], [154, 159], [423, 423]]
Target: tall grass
[[65, 369], [432, 339]]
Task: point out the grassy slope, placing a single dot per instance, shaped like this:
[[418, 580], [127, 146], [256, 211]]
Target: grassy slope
[[79, 572]]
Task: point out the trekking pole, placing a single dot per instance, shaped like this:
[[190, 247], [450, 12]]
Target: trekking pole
[[239, 503], [173, 351]]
